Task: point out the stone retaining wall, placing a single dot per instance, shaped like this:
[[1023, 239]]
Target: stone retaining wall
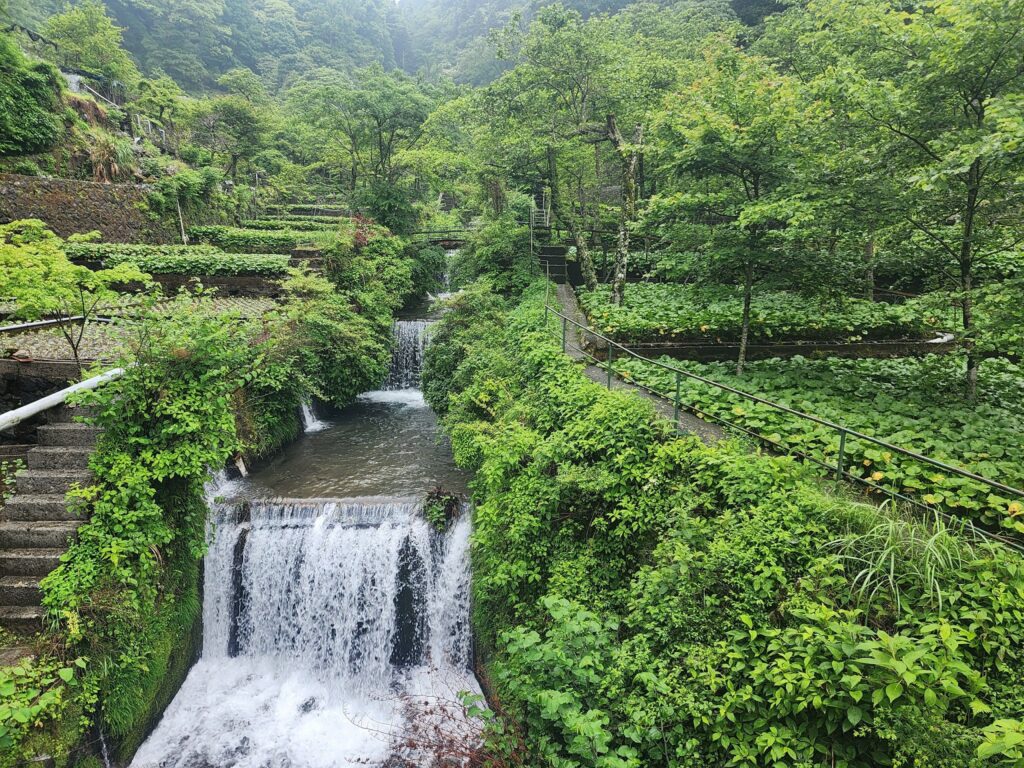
[[118, 211]]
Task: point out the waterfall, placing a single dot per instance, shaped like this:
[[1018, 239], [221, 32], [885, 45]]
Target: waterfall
[[310, 423], [407, 359], [322, 619]]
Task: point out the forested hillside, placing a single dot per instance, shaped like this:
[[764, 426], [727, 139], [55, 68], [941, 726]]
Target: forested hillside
[[196, 41], [719, 308]]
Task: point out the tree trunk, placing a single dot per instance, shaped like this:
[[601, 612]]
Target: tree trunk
[[585, 257], [621, 264], [748, 288], [630, 158], [569, 219], [966, 275], [869, 269]]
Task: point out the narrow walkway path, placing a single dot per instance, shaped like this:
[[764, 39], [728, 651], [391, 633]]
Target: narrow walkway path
[[574, 346]]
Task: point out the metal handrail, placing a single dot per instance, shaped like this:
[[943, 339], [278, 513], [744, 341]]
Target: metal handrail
[[35, 325], [18, 415], [843, 431]]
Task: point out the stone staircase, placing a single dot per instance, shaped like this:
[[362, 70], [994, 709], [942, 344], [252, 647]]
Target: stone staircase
[[308, 256], [36, 524], [553, 263]]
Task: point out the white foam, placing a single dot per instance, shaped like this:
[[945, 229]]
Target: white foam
[[410, 397], [251, 712], [310, 423], [301, 627]]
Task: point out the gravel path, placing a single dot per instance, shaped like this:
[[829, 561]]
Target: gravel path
[[577, 339]]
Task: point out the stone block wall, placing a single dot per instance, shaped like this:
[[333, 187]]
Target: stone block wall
[[69, 206]]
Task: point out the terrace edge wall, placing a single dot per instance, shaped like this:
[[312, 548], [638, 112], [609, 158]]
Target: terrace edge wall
[[68, 206]]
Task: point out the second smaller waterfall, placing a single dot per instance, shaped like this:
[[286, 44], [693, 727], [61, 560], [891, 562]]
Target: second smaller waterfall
[[310, 423], [407, 359]]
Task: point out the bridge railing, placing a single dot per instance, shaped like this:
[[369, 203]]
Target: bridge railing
[[441, 234], [837, 468]]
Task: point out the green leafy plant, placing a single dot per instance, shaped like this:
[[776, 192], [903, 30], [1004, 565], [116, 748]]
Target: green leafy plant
[[906, 402], [668, 312], [235, 240], [1004, 743], [294, 224], [182, 260], [645, 599], [441, 507], [37, 274], [33, 692]]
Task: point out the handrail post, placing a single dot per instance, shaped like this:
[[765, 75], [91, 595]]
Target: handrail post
[[563, 333], [611, 358], [842, 455], [675, 403]]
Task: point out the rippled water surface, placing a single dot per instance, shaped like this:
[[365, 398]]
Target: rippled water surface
[[384, 444]]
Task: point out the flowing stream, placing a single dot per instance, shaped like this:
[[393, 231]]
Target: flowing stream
[[335, 617]]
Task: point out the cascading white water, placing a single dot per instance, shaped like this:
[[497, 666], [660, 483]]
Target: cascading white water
[[407, 358], [321, 618], [310, 423], [335, 631]]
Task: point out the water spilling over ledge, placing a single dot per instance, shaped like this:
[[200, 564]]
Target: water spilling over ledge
[[407, 359], [321, 618]]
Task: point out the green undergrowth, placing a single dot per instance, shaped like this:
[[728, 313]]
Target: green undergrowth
[[200, 387], [180, 259], [644, 599], [294, 224], [909, 402], [706, 314], [302, 218], [238, 240]]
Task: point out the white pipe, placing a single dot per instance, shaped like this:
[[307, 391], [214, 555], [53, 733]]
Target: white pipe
[[18, 415]]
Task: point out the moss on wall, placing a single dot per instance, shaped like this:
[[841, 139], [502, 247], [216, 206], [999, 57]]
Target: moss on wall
[[118, 211]]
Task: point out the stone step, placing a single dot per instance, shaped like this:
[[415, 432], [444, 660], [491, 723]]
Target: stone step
[[49, 481], [29, 562], [15, 451], [37, 534], [68, 414], [11, 655], [43, 506], [68, 433], [21, 619], [59, 457], [20, 590]]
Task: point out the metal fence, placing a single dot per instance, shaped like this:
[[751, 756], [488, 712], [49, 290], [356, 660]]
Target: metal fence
[[836, 468]]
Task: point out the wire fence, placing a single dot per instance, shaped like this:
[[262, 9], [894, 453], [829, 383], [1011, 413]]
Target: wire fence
[[836, 467]]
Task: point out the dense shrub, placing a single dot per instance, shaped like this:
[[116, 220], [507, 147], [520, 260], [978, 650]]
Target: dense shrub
[[429, 263], [235, 240], [295, 224], [188, 191], [648, 600], [705, 313], [30, 102], [333, 221], [303, 210], [499, 252], [908, 402]]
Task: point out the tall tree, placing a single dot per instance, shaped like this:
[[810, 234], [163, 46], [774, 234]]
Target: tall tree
[[88, 39], [730, 136], [929, 80]]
